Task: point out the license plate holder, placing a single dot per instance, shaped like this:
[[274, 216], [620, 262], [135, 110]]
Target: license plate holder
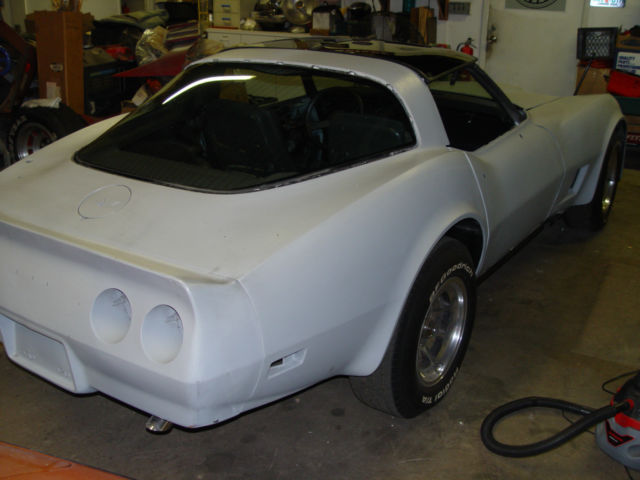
[[43, 355]]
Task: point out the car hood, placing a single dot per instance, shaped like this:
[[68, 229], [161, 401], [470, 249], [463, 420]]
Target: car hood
[[220, 235], [524, 99]]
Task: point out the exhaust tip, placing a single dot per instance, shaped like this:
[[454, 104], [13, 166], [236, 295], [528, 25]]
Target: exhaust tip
[[158, 425]]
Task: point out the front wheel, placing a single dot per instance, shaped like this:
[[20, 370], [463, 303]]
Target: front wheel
[[431, 337]]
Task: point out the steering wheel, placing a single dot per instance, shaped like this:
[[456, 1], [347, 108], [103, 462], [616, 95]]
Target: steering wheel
[[328, 101], [5, 61]]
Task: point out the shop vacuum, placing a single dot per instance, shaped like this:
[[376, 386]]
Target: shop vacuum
[[617, 425]]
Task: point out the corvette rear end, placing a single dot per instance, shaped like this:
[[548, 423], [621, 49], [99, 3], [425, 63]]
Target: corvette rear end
[[145, 333], [278, 216]]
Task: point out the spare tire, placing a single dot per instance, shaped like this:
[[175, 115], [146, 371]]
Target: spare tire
[[35, 128]]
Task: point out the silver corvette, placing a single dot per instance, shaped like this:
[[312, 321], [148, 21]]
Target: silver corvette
[[282, 214]]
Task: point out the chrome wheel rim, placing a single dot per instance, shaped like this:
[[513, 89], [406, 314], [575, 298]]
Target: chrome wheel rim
[[610, 180], [441, 333], [32, 137]]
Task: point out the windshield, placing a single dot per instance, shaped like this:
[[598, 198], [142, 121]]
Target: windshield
[[229, 127]]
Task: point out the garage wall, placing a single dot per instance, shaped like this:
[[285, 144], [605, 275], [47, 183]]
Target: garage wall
[[457, 28], [626, 17], [536, 49]]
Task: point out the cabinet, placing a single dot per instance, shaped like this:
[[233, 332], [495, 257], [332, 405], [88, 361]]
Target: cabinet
[[228, 13], [60, 62]]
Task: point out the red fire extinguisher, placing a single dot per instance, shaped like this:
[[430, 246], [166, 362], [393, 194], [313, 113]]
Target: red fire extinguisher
[[466, 47]]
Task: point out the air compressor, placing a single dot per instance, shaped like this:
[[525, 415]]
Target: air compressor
[[617, 425]]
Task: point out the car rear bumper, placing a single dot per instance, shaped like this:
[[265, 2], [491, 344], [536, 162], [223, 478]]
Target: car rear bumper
[[80, 368], [167, 353]]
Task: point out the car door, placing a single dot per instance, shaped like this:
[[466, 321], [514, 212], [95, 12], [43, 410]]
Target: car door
[[517, 163]]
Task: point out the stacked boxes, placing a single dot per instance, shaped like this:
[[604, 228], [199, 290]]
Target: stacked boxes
[[628, 54], [628, 60]]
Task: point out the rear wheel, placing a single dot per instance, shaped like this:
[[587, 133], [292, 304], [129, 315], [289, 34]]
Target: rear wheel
[[35, 128], [594, 215], [431, 338]]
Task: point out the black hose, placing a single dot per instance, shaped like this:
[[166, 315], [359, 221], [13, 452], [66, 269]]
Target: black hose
[[590, 418]]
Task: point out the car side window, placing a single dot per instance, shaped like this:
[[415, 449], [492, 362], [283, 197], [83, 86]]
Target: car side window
[[471, 114]]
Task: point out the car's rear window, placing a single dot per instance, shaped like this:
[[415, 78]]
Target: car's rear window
[[229, 127]]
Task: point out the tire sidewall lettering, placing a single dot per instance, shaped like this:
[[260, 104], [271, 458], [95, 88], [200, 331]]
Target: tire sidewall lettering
[[433, 395], [447, 274], [11, 137], [15, 127], [15, 130], [397, 386], [432, 399]]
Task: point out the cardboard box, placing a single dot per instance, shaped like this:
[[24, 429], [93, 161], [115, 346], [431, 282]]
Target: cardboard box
[[628, 42], [594, 82], [628, 61], [633, 123]]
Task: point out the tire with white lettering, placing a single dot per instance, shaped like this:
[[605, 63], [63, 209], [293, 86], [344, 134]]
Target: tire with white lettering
[[425, 353], [35, 128]]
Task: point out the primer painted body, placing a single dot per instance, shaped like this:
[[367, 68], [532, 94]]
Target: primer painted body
[[276, 289]]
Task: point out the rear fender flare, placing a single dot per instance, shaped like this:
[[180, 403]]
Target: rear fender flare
[[369, 356]]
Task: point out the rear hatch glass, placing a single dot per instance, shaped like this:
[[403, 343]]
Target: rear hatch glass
[[224, 127]]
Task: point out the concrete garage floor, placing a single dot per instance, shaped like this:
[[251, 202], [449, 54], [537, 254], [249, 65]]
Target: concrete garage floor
[[558, 319]]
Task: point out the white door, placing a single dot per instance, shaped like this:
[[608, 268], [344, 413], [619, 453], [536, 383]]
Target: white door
[[520, 173], [517, 163], [536, 47]]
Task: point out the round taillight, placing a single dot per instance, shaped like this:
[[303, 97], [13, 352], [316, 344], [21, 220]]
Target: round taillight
[[111, 315], [162, 334]]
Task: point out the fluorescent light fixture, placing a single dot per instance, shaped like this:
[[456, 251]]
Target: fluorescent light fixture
[[607, 3], [221, 78]]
